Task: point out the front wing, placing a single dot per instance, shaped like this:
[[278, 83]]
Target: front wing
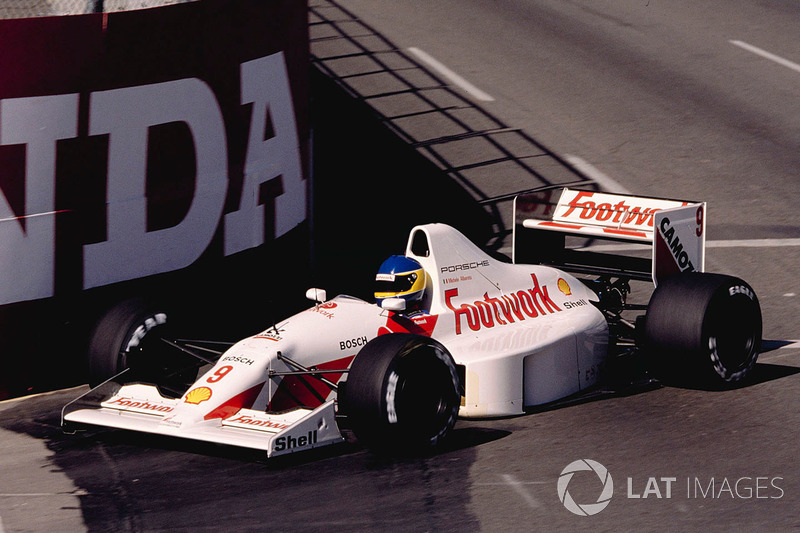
[[141, 407]]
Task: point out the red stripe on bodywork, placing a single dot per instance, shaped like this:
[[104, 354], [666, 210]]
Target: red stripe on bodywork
[[561, 225], [625, 232], [306, 391], [419, 325], [666, 264], [243, 400]]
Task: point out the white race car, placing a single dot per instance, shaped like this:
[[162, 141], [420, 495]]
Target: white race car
[[455, 332]]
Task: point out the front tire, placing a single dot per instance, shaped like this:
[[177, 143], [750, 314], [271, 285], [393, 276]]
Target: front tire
[[129, 336], [703, 328], [402, 393]]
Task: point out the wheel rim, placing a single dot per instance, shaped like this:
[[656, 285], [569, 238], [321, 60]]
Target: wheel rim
[[734, 337], [425, 396]]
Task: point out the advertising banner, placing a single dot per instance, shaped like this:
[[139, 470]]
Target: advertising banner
[[140, 143], [134, 143]]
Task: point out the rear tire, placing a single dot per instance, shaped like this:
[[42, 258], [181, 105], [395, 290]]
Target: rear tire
[[703, 329], [402, 393]]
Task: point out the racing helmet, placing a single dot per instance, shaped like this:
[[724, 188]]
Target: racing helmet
[[400, 277]]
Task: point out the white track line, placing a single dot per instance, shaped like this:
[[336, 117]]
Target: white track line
[[609, 184], [753, 243], [792, 345], [451, 76], [605, 181], [767, 55], [780, 352], [519, 488]]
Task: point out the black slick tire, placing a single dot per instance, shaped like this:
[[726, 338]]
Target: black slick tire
[[403, 393], [121, 337], [703, 329]]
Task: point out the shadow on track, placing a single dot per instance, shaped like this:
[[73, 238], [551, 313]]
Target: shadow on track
[[137, 482]]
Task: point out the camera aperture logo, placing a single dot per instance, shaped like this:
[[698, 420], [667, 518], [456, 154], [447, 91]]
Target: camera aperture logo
[[585, 509]]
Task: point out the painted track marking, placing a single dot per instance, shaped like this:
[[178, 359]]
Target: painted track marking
[[767, 55], [451, 76], [609, 184], [606, 182], [519, 487], [772, 353]]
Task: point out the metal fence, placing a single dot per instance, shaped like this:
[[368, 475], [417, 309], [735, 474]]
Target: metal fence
[[10, 9]]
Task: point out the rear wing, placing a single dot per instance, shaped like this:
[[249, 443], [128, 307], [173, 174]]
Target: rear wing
[[642, 238]]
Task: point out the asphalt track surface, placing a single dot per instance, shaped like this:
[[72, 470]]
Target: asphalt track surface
[[686, 99]]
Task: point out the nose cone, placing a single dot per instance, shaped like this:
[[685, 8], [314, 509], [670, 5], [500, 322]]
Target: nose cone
[[235, 382]]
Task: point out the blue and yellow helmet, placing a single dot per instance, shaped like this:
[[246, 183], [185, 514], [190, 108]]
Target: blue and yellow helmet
[[400, 277]]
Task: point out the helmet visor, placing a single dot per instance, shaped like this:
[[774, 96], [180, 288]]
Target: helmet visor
[[394, 285]]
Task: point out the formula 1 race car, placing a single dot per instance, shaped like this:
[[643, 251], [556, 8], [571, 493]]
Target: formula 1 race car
[[455, 332]]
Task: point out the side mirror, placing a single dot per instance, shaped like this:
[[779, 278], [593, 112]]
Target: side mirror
[[394, 304], [316, 295]]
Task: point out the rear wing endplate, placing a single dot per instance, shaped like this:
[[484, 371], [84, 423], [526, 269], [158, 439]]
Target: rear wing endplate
[[561, 227]]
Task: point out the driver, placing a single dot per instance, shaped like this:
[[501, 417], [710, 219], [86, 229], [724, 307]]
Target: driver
[[401, 277]]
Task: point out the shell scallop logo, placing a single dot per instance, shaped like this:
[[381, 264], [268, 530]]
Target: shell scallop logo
[[200, 394], [563, 286]]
